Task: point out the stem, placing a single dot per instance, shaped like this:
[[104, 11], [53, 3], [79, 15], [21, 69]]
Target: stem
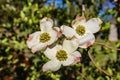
[[103, 44], [83, 10], [82, 75], [100, 69]]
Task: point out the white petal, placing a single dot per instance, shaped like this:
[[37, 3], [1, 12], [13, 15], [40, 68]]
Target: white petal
[[38, 47], [76, 54], [59, 32], [67, 31], [52, 65], [86, 40], [93, 25], [51, 53], [69, 61], [56, 28], [53, 35], [33, 39], [77, 22], [46, 24], [70, 45]]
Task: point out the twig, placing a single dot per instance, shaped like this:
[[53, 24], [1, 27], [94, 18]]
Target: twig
[[103, 44], [83, 76], [100, 69], [83, 10]]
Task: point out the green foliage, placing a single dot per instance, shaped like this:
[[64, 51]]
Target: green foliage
[[19, 18]]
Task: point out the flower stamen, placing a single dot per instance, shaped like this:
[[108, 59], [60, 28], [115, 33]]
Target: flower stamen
[[61, 55], [80, 30], [45, 37]]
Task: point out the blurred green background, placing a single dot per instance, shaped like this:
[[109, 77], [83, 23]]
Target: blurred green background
[[19, 18]]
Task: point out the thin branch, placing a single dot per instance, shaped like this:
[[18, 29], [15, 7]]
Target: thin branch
[[83, 76], [103, 44], [83, 10], [100, 69]]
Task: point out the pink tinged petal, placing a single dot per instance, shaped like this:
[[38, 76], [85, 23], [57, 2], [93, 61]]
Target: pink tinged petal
[[51, 53], [52, 65], [93, 25], [53, 35], [77, 59], [69, 61], [33, 39], [46, 24], [77, 56], [70, 45], [78, 17], [88, 44], [30, 38], [67, 31], [59, 32], [86, 40], [38, 47]]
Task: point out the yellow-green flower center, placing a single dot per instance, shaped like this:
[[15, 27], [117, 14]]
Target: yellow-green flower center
[[61, 55], [45, 37], [80, 30]]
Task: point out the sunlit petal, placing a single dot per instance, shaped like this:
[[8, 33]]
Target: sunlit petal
[[51, 53], [38, 47], [76, 54], [56, 28], [67, 31], [76, 22], [53, 35], [69, 61], [52, 65], [93, 25], [86, 40], [59, 32], [70, 45], [46, 24], [33, 39]]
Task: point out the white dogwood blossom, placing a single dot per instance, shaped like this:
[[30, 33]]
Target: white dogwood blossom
[[65, 55], [41, 39], [82, 30]]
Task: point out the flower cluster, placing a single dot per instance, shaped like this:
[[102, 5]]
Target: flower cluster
[[66, 54]]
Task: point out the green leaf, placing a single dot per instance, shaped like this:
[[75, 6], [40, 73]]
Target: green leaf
[[22, 14], [10, 57], [118, 19]]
